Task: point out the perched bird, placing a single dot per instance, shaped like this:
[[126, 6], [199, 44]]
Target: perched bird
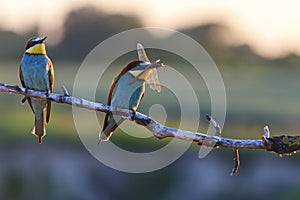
[[36, 73], [126, 91]]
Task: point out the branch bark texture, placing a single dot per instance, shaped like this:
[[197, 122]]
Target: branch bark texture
[[283, 144]]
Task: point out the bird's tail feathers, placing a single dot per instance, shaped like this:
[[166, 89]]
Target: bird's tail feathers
[[39, 128], [104, 135], [108, 131]]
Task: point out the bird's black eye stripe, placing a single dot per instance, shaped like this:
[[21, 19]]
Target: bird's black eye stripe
[[29, 44]]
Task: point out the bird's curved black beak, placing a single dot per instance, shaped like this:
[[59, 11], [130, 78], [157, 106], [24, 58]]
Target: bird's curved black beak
[[42, 39]]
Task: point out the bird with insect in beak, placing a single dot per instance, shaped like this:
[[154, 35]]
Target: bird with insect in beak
[[36, 73], [126, 91]]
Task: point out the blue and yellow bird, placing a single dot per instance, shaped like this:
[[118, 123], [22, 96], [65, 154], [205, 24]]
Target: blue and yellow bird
[[127, 91], [36, 73]]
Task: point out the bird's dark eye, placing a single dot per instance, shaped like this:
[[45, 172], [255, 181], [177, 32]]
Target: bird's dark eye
[[29, 44]]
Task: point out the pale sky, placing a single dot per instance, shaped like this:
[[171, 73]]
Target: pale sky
[[272, 28]]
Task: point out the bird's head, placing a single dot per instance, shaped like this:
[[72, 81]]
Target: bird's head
[[142, 70], [36, 45]]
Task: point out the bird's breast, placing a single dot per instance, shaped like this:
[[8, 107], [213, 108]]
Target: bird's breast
[[124, 92], [35, 71]]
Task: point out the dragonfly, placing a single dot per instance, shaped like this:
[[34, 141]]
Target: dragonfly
[[153, 78]]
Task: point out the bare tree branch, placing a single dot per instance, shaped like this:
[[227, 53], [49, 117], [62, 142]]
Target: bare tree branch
[[283, 144]]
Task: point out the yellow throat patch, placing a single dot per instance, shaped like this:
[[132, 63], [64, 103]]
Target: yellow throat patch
[[37, 49], [144, 76]]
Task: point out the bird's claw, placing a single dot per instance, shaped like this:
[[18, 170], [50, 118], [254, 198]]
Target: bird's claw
[[26, 96], [132, 115]]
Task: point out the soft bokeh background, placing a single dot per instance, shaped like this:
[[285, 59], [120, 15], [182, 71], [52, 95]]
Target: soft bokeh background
[[256, 46]]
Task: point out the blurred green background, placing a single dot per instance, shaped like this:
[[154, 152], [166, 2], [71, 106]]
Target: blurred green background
[[260, 91]]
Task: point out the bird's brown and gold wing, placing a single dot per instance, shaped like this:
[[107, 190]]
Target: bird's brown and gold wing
[[51, 75], [51, 84], [110, 95]]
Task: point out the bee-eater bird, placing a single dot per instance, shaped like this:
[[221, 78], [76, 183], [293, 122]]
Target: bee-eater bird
[[36, 73], [126, 91]]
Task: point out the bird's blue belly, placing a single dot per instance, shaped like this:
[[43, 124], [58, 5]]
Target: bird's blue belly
[[127, 95], [35, 72]]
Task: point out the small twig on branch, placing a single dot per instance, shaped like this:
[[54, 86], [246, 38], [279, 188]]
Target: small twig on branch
[[236, 150], [215, 124], [266, 132], [66, 93], [279, 144], [237, 162]]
